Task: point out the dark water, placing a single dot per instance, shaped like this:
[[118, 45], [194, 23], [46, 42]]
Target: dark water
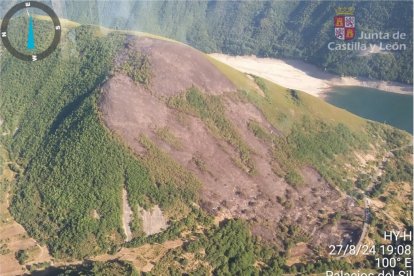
[[391, 108]]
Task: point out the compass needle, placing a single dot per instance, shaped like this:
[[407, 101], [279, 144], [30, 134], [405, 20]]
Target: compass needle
[[30, 35]]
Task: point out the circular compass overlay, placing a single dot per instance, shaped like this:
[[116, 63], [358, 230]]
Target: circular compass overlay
[[29, 39]]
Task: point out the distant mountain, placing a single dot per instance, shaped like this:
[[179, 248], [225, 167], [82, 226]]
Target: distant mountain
[[281, 29]]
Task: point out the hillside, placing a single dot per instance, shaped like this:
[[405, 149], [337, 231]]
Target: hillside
[[281, 29], [232, 162]]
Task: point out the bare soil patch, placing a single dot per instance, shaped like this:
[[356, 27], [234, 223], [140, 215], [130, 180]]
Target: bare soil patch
[[176, 67], [153, 220], [126, 216], [298, 254], [299, 75]]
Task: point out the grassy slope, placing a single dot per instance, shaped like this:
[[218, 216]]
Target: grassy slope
[[315, 132], [278, 101], [73, 165]]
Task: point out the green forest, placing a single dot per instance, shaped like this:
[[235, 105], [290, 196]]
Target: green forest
[[280, 29], [72, 164], [90, 268]]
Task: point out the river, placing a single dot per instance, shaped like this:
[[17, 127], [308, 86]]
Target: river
[[377, 105]]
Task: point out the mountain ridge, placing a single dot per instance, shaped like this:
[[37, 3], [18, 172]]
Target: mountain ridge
[[294, 29]]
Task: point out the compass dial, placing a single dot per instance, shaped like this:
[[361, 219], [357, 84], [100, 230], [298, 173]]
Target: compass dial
[[30, 31]]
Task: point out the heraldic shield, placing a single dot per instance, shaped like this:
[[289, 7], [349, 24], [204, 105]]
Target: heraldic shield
[[344, 24]]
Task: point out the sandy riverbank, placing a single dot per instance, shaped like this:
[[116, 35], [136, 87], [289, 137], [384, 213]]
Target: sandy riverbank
[[299, 75]]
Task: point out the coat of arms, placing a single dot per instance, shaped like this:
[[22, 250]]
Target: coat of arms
[[344, 23]]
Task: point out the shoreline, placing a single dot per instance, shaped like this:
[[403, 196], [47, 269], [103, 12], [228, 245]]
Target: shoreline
[[295, 74]]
